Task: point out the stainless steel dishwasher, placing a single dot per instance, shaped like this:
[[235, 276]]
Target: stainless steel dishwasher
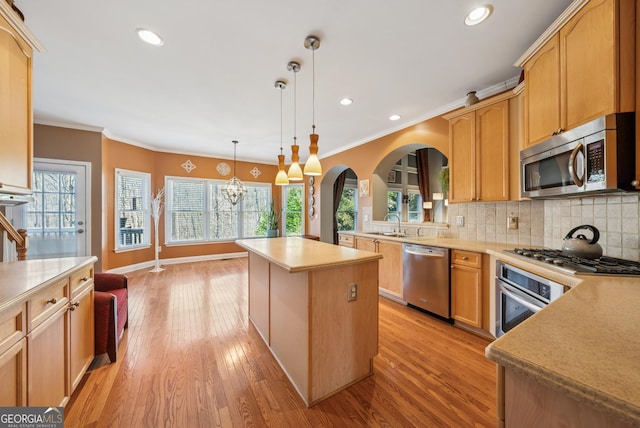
[[425, 278]]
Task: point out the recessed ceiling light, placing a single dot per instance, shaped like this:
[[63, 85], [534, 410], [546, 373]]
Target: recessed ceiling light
[[394, 117], [149, 36], [346, 101], [478, 15]]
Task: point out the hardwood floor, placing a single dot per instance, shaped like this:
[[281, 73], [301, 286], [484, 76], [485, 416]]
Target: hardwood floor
[[190, 358]]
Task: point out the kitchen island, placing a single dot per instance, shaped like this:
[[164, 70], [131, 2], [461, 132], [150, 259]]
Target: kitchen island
[[316, 307]]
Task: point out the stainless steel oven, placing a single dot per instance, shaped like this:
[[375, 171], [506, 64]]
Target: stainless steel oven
[[519, 295]]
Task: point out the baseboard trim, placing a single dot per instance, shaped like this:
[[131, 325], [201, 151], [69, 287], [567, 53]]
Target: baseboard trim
[[382, 292], [177, 260]]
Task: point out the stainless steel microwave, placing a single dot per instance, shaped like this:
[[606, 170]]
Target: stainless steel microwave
[[598, 156]]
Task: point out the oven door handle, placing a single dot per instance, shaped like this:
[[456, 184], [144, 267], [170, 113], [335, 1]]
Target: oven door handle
[[506, 289]]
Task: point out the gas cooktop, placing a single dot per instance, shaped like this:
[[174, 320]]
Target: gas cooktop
[[579, 265]]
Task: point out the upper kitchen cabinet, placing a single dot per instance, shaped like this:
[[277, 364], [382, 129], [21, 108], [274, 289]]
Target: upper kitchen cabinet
[[16, 117], [479, 141], [581, 68]]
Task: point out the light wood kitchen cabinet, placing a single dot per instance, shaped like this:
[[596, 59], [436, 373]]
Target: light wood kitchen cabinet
[[81, 331], [346, 240], [16, 118], [390, 266], [46, 336], [13, 356], [583, 71], [466, 287], [47, 361], [479, 152]]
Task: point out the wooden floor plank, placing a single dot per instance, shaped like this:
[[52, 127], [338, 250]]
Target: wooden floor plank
[[190, 358]]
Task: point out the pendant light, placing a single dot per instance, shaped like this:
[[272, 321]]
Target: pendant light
[[233, 190], [281, 178], [312, 166], [295, 172]]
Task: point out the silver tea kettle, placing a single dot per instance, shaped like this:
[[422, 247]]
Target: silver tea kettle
[[580, 246]]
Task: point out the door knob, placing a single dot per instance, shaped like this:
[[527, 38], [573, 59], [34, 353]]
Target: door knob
[[80, 223], [80, 230]]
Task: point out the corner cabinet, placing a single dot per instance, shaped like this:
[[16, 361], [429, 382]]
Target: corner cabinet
[[16, 117], [389, 267], [584, 70], [479, 151]]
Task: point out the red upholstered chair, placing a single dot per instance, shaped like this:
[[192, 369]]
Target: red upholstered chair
[[111, 312]]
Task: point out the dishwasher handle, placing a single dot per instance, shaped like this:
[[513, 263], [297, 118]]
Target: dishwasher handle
[[424, 253]]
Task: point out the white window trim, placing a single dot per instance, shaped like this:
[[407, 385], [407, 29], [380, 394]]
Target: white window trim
[[146, 177]]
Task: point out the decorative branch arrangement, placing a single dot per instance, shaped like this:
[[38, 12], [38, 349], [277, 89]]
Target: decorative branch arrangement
[[156, 212]]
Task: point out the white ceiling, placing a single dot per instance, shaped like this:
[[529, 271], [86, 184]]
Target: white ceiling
[[213, 80]]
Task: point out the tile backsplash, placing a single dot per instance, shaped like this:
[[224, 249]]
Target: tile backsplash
[[546, 222]]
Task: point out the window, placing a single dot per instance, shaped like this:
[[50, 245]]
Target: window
[[198, 212], [293, 203], [348, 208], [403, 180], [132, 209], [53, 211]]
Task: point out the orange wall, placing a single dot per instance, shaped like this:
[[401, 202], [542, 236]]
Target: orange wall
[[159, 164], [364, 159]]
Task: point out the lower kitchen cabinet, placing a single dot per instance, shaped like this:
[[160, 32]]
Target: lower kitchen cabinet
[[13, 356], [81, 332], [346, 240], [47, 358], [389, 267], [466, 287], [47, 336]]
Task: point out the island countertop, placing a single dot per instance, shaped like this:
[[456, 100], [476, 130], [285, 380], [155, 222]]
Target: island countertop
[[297, 254]]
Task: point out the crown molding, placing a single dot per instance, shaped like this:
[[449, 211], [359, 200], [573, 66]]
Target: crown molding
[[12, 17], [551, 31]]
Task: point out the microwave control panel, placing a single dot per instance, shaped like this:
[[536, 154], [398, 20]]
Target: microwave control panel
[[595, 162]]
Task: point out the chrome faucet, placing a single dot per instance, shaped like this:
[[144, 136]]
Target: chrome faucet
[[386, 217]]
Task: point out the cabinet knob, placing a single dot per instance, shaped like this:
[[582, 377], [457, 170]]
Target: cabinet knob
[[53, 301], [635, 183], [84, 279], [73, 306], [465, 258], [553, 133]]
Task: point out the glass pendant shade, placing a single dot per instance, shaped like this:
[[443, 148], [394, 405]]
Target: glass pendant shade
[[295, 172], [313, 166], [281, 177]]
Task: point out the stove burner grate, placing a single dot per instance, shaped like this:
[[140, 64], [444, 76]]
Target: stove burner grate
[[602, 265]]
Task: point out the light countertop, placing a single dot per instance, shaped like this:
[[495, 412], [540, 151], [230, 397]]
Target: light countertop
[[586, 343], [19, 279], [299, 254]]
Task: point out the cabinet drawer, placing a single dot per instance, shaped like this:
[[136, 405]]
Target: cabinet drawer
[[80, 278], [346, 240], [12, 326], [47, 301], [466, 258]]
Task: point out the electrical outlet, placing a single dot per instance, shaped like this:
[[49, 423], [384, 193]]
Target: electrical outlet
[[352, 292], [460, 221], [512, 222]]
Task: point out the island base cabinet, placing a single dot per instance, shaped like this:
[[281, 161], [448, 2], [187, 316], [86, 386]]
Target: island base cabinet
[[528, 403], [323, 341], [13, 372], [47, 362]]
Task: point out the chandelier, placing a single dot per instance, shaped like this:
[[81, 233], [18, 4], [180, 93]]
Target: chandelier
[[233, 190]]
